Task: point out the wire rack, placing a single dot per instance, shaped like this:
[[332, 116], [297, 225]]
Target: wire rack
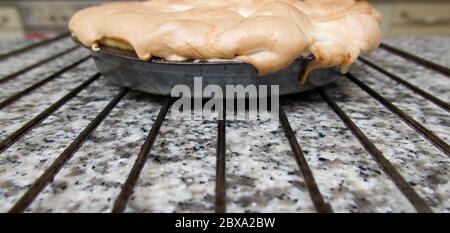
[[220, 189]]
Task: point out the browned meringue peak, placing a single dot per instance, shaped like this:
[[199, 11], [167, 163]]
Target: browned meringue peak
[[268, 34]]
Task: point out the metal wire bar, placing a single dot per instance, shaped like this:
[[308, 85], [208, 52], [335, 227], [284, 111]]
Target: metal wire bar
[[32, 46], [14, 137], [56, 166], [412, 87], [316, 197], [127, 188], [443, 70], [37, 64], [220, 204], [418, 202], [419, 128], [33, 87]]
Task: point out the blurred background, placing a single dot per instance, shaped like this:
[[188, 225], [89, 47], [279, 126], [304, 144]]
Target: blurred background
[[36, 19]]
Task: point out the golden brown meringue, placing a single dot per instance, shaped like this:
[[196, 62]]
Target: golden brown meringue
[[268, 34]]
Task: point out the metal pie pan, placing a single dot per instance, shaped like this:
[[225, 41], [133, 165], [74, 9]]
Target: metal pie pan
[[158, 76]]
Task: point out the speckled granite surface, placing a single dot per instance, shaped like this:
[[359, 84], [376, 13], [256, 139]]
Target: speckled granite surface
[[261, 173], [180, 173], [424, 47], [10, 45]]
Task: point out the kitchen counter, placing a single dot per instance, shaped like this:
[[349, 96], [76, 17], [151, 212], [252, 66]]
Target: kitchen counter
[[261, 172]]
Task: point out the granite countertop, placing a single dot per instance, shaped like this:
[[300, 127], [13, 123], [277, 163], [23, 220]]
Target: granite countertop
[[261, 172]]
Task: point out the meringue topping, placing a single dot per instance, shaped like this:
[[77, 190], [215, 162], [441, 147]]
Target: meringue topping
[[269, 34]]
